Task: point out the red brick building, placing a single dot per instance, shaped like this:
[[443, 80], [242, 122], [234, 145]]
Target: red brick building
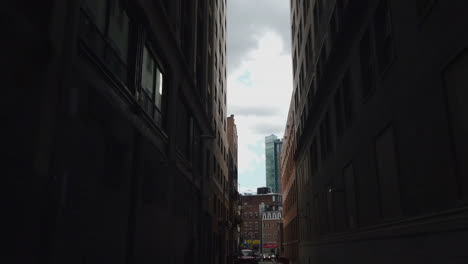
[[251, 228], [289, 191], [271, 232]]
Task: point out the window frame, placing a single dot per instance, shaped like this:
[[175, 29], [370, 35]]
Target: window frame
[[106, 52], [148, 45]]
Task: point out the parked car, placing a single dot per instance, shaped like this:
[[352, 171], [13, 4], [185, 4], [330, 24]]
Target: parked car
[[246, 256]]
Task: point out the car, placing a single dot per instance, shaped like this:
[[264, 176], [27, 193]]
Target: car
[[246, 256], [266, 257]]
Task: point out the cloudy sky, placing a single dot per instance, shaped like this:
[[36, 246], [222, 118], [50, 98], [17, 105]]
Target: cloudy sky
[[259, 79]]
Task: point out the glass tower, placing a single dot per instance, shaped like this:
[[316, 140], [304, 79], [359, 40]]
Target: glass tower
[[272, 151]]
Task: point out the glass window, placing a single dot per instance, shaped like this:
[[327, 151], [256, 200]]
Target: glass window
[[387, 170], [105, 28], [152, 85], [119, 29], [159, 88], [97, 10], [147, 71]]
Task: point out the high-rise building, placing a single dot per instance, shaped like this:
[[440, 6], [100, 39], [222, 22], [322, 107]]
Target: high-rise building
[[272, 152], [114, 129], [380, 129]]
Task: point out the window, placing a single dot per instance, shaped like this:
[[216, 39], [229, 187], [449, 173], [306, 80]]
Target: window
[[316, 17], [423, 6], [350, 192], [387, 171], [152, 86], [184, 131], [455, 83], [105, 28], [299, 43], [325, 136], [367, 68], [293, 29], [294, 62], [383, 35], [273, 198], [309, 49], [348, 105], [313, 155], [303, 77], [197, 152], [305, 9], [339, 112], [321, 61], [334, 26]]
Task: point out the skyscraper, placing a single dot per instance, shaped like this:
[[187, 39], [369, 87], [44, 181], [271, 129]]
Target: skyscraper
[[272, 151]]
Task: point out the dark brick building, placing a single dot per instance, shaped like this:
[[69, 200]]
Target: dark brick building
[[380, 119], [251, 216], [114, 131]]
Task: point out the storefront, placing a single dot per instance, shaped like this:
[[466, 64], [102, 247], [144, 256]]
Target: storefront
[[270, 248]]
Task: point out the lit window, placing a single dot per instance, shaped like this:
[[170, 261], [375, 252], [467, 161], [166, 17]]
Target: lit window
[[152, 86]]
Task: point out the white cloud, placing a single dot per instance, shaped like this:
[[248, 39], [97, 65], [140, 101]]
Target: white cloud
[[248, 19], [243, 190], [261, 84]]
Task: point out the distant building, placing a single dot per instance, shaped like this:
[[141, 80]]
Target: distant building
[[272, 152], [234, 206], [289, 192], [271, 228], [263, 190], [252, 207]]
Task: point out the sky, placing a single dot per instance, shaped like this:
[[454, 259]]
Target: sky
[[259, 80]]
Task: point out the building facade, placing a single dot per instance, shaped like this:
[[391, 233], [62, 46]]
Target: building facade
[[272, 151], [289, 191], [371, 79], [271, 229], [117, 147], [220, 183], [252, 207], [234, 212]]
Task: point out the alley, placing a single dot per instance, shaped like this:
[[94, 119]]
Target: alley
[[213, 131]]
